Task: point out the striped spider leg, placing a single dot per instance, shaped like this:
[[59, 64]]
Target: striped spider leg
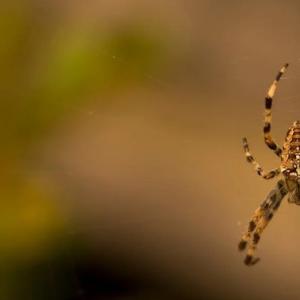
[[266, 175], [268, 116], [262, 216]]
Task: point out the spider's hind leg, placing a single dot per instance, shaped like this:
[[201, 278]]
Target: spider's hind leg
[[262, 216]]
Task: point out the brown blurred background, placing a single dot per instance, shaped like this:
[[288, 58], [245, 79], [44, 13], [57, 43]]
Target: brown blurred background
[[122, 171]]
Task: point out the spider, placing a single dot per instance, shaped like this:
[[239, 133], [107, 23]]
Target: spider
[[288, 185]]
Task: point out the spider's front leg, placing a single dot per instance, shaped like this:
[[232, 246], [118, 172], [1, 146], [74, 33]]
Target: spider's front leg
[[262, 215], [268, 115]]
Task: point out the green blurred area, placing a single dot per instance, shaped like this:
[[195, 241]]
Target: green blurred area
[[45, 75], [48, 71]]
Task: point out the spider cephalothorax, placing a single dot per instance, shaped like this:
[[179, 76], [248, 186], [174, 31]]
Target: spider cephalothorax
[[288, 185], [290, 162]]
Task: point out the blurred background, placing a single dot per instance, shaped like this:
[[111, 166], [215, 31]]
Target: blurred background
[[122, 172]]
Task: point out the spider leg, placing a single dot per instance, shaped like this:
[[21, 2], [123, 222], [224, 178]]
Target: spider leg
[[262, 216], [266, 175], [268, 116]]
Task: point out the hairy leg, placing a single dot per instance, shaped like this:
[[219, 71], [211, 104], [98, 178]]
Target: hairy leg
[[266, 175], [268, 115], [262, 216]]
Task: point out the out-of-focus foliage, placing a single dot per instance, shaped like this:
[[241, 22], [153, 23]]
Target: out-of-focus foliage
[[48, 71], [49, 68]]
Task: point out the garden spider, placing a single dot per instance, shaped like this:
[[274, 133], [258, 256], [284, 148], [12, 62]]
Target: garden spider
[[289, 184]]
